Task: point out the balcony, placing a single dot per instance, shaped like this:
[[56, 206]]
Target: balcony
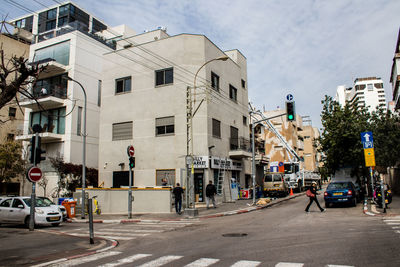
[[261, 159], [53, 68], [239, 148], [48, 135]]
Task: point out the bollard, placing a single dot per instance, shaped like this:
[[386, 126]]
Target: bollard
[[91, 234]]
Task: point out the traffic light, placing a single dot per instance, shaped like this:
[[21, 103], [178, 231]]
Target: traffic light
[[131, 162], [32, 150], [36, 151], [290, 111]]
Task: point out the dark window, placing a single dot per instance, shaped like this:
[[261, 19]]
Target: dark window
[[63, 10], [121, 178], [52, 14], [232, 93], [54, 86], [10, 137], [12, 112], [243, 84], [379, 85], [244, 120], [122, 131], [62, 21], [16, 203], [234, 138], [52, 120], [79, 122], [165, 126], [123, 85], [99, 93], [165, 76], [6, 203], [50, 25], [216, 128], [215, 81]]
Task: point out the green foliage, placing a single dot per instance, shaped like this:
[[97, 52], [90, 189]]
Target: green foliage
[[71, 176], [11, 162], [340, 141]]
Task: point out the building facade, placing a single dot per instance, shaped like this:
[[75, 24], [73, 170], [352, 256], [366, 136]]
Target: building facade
[[395, 75]]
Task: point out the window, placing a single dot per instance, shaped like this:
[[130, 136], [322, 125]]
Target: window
[[215, 81], [378, 85], [55, 86], [122, 131], [52, 120], [99, 93], [52, 14], [244, 120], [59, 52], [10, 137], [165, 175], [16, 203], [243, 84], [62, 21], [12, 112], [79, 122], [6, 203], [165, 126], [165, 76], [51, 24], [370, 87], [63, 10], [123, 85], [232, 93], [216, 128], [234, 138]]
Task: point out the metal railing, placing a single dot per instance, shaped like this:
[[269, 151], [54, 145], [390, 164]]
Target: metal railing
[[240, 143]]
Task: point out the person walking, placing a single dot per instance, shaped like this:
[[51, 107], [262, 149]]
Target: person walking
[[312, 194], [211, 191], [178, 191]]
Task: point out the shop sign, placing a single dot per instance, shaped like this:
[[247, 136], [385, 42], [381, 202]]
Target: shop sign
[[200, 162], [228, 164]]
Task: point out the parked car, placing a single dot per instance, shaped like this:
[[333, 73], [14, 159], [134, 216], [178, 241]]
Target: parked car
[[340, 192], [16, 210], [60, 207], [274, 185]]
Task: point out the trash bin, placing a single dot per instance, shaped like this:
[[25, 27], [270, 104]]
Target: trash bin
[[70, 207]]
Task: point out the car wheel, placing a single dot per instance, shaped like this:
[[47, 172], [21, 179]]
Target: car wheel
[[55, 224]]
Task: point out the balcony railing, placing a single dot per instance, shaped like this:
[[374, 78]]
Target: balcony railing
[[240, 144]]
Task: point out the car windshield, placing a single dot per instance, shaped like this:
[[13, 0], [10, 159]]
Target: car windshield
[[268, 178], [277, 178], [47, 201], [38, 203], [338, 186]]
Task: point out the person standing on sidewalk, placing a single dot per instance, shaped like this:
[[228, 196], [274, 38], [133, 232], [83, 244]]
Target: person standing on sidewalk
[[178, 191], [312, 195], [211, 191]]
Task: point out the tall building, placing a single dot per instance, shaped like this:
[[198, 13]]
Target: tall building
[[366, 92], [68, 41], [395, 75]]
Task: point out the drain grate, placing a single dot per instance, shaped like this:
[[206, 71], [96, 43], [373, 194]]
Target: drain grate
[[234, 235]]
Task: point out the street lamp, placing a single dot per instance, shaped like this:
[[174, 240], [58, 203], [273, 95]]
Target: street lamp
[[192, 210], [84, 146]]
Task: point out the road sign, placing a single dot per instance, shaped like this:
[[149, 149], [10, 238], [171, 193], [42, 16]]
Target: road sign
[[289, 97], [131, 151], [369, 155], [367, 140], [34, 174]]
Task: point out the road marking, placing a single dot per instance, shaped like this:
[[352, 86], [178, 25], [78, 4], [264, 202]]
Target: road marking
[[397, 232], [203, 262], [106, 236], [289, 264], [396, 227], [135, 231], [391, 220], [246, 264], [339, 266], [393, 223], [126, 260], [86, 259], [112, 233], [160, 261]]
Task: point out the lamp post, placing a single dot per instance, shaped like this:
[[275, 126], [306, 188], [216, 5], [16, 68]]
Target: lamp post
[[84, 147], [190, 203]]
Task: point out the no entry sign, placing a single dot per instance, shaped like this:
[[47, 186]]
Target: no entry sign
[[131, 151], [34, 174]]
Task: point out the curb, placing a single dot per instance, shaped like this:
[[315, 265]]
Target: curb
[[371, 211], [207, 216]]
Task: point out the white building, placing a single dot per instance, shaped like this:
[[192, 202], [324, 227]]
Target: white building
[[395, 75], [366, 92], [66, 40]]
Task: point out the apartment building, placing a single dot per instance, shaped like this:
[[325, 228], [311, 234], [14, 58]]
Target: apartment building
[[310, 154], [147, 86], [395, 75], [366, 92], [68, 41]]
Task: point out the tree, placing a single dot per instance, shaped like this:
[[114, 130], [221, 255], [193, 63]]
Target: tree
[[11, 162]]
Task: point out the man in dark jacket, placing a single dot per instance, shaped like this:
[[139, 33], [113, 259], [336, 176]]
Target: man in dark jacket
[[211, 191], [313, 190], [178, 191]]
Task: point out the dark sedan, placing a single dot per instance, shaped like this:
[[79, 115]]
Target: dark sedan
[[340, 192]]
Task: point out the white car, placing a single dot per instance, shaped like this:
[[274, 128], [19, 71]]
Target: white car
[[60, 207], [16, 210]]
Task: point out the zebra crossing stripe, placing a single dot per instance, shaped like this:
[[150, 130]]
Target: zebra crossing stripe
[[393, 223], [160, 261], [391, 220], [203, 262], [397, 232], [246, 264], [107, 236], [289, 264], [125, 234], [339, 266], [396, 227], [86, 259], [135, 230], [126, 260]]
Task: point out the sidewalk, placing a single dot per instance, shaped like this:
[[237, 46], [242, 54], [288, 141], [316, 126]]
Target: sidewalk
[[392, 210], [223, 209]]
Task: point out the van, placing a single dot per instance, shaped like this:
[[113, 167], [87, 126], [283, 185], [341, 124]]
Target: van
[[275, 185]]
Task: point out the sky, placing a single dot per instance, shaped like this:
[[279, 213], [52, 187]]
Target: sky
[[301, 47]]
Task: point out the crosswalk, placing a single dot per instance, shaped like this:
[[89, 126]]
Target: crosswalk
[[123, 232], [150, 260], [393, 222]]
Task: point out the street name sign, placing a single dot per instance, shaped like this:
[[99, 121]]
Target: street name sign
[[34, 174]]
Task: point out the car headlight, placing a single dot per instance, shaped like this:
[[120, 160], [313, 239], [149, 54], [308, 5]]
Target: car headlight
[[39, 211]]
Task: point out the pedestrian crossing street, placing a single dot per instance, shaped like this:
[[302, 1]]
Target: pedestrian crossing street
[[123, 232], [149, 260], [393, 222]]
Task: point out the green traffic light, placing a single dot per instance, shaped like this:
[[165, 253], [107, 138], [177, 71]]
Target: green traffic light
[[290, 117]]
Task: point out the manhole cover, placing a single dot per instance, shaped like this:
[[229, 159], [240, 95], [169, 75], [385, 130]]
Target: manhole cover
[[234, 235]]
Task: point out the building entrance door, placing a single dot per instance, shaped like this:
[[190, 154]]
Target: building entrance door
[[199, 187]]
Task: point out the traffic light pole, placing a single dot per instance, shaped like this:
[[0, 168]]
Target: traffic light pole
[[130, 194], [33, 195]]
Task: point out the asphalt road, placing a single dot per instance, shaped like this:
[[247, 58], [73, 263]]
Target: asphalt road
[[282, 234]]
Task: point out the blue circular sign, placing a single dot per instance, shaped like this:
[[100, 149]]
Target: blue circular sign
[[289, 97]]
